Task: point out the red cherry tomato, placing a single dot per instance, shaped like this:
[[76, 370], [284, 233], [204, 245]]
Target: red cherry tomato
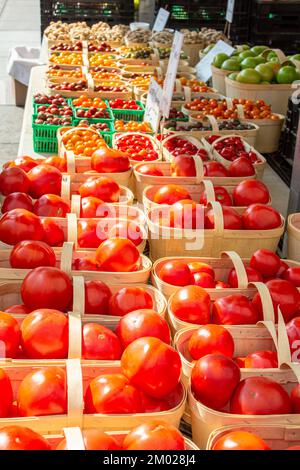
[[129, 299], [20, 224], [13, 180], [293, 275], [214, 372], [140, 323], [101, 187], [152, 366], [240, 440], [107, 160], [241, 167], [250, 192], [43, 392], [44, 179], [53, 232], [170, 194], [210, 339], [261, 217], [94, 439], [97, 295], [99, 343], [17, 201], [156, 435], [176, 273], [191, 304], [266, 262], [117, 254], [260, 396], [232, 220], [252, 275], [51, 205], [261, 360], [9, 336], [47, 287], [234, 310], [31, 254]]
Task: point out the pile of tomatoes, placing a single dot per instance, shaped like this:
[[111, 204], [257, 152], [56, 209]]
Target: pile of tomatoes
[[181, 146], [132, 126], [66, 58], [138, 147], [85, 102], [122, 104], [82, 141]]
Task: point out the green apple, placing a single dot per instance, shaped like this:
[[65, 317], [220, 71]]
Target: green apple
[[258, 49], [249, 63], [231, 64], [266, 72], [243, 55], [233, 76], [249, 76], [287, 74], [219, 59]]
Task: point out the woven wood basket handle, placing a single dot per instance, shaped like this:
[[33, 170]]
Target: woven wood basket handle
[[78, 295], [66, 186], [280, 54], [240, 111], [75, 329], [229, 103], [187, 93], [75, 392], [66, 257], [199, 169], [209, 190], [213, 122], [284, 352], [178, 86], [84, 70], [74, 438], [218, 218], [266, 300], [90, 82], [239, 267], [72, 228], [70, 158], [76, 204]]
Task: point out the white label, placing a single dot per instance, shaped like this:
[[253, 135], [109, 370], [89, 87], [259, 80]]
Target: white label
[[230, 10], [152, 111], [161, 20], [203, 68], [170, 78]]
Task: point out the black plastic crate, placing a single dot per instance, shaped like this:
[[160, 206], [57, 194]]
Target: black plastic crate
[[293, 115], [279, 15], [288, 146]]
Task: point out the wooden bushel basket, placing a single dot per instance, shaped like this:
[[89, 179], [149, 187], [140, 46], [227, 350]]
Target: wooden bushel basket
[[293, 229], [218, 79]]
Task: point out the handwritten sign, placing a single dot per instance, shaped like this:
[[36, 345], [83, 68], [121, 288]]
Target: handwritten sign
[[203, 68], [152, 111], [230, 10], [170, 78], [161, 20]]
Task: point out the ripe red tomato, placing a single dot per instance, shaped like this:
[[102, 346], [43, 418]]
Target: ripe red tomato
[[18, 225], [112, 394], [250, 192], [17, 201], [156, 435], [97, 295], [94, 439], [252, 274], [31, 254], [221, 195], [234, 310], [222, 285], [293, 275], [129, 299], [44, 334], [176, 273], [148, 169], [187, 214], [90, 233], [101, 187], [47, 287], [117, 254], [293, 332], [9, 336], [44, 179], [214, 372], [170, 193], [283, 267], [43, 392], [183, 165], [53, 232], [215, 169], [58, 162], [99, 343], [295, 399], [22, 438], [266, 262], [285, 295], [25, 162], [241, 167], [152, 365], [127, 229], [260, 396], [18, 308], [232, 219], [199, 267], [107, 160], [13, 180], [191, 304], [204, 280], [51, 205], [141, 323], [240, 440], [210, 339], [261, 360], [85, 264], [92, 207], [261, 217]]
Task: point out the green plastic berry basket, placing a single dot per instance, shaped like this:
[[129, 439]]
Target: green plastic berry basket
[[129, 114], [44, 137], [95, 120], [36, 105]]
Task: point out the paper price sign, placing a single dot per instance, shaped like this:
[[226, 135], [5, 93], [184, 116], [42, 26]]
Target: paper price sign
[[152, 111], [203, 68], [161, 20], [170, 78], [230, 10]]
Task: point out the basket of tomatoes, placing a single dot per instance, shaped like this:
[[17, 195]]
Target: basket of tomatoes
[[131, 110]]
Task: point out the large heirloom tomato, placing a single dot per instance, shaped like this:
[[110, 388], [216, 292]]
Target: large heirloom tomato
[[44, 334], [18, 225], [152, 365], [176, 273], [17, 200], [9, 336], [14, 180], [21, 438], [210, 339], [266, 262], [97, 295], [234, 309], [92, 206], [261, 360], [118, 254], [31, 254], [94, 439], [107, 160], [261, 217], [191, 304], [156, 435], [240, 440], [232, 219], [187, 214], [101, 187], [260, 396], [100, 343], [112, 394], [90, 233], [43, 392], [221, 194], [183, 165], [129, 299], [127, 229], [53, 232], [140, 323], [20, 309], [252, 275], [170, 194], [25, 162], [215, 169], [293, 275], [44, 179], [58, 162], [250, 192], [211, 373], [241, 167], [47, 287], [51, 205]]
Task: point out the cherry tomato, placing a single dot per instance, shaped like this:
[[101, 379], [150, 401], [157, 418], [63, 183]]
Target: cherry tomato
[[43, 392], [20, 224], [51, 205], [250, 192], [152, 366], [214, 372], [210, 339], [9, 336], [191, 304], [240, 440], [13, 180], [97, 296], [107, 160], [17, 201], [261, 217], [44, 179], [170, 194], [31, 254], [252, 275], [156, 435], [176, 273], [266, 262], [22, 438], [261, 360], [234, 309], [47, 287], [53, 232], [94, 439], [117, 254], [129, 299], [100, 343], [232, 219], [101, 187]]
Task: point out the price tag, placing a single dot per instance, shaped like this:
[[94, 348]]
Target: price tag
[[152, 111], [230, 10], [203, 68], [170, 78], [161, 20]]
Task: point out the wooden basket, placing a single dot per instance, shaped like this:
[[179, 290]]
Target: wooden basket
[[165, 241], [155, 144], [78, 378], [218, 79], [192, 50], [215, 96], [293, 229], [167, 156], [269, 133]]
